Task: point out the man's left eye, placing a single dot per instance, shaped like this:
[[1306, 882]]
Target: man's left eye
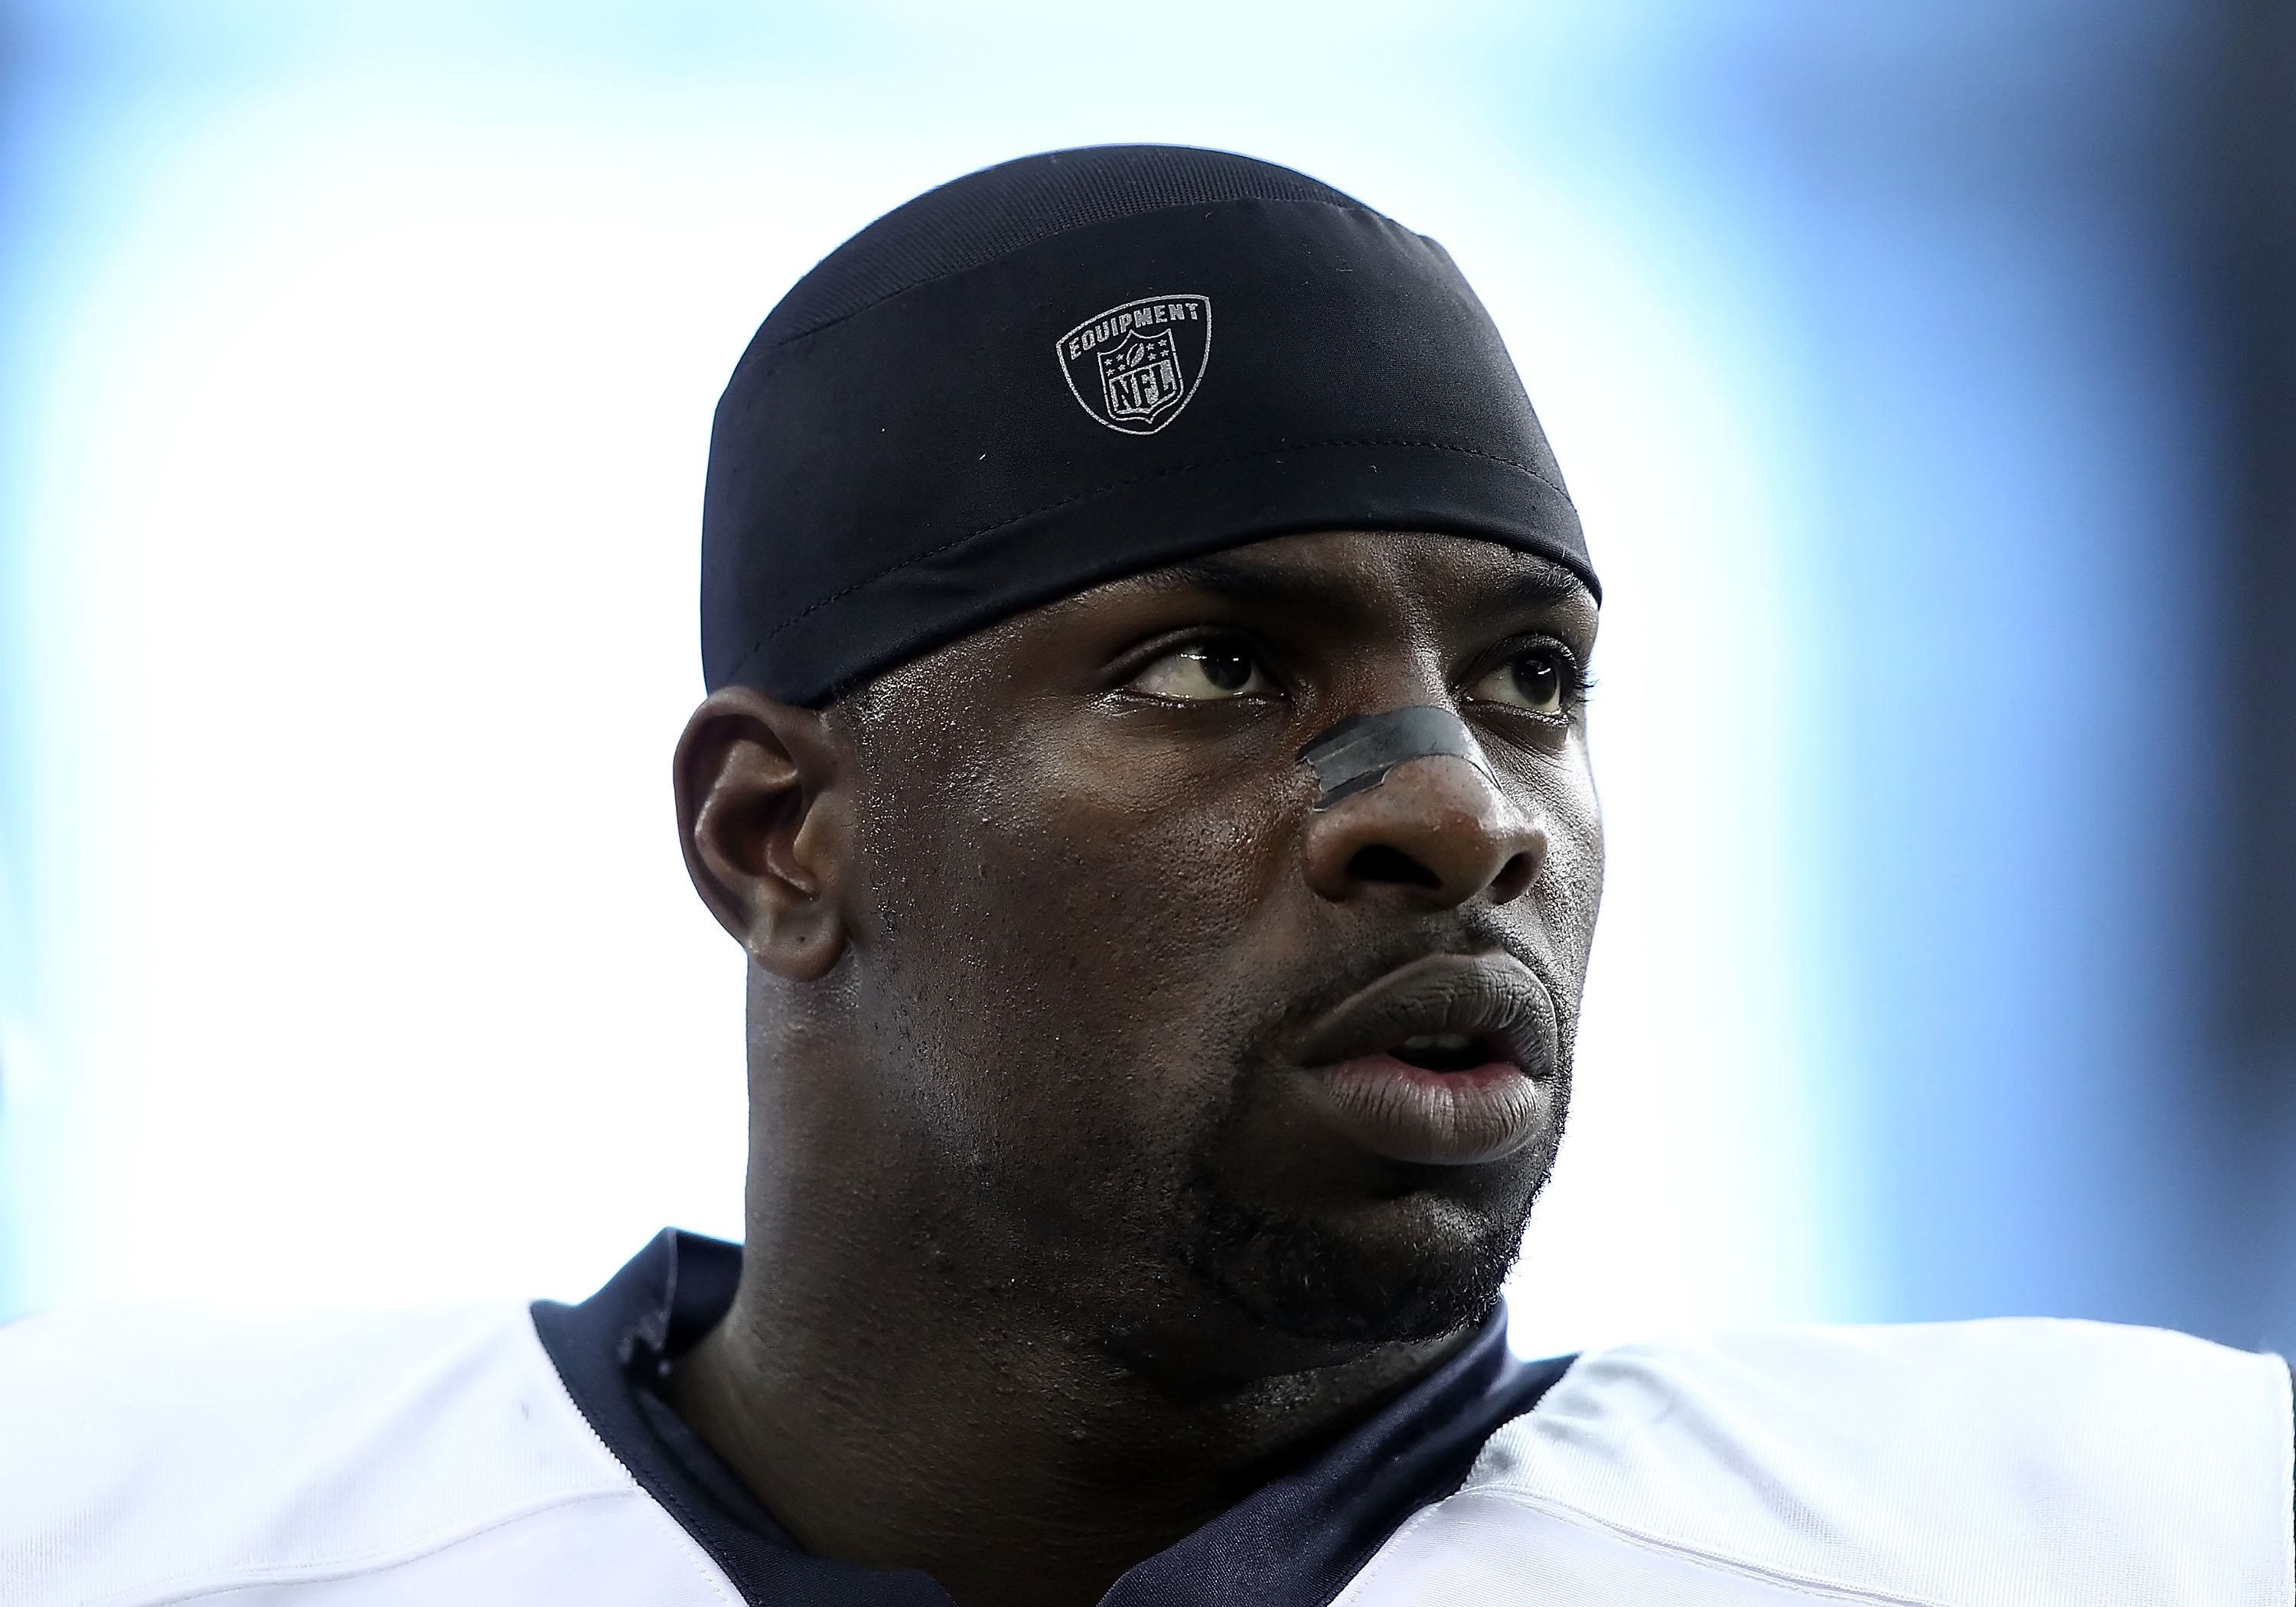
[[1202, 672], [1533, 682]]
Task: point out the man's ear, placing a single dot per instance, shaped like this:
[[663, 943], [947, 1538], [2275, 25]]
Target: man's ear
[[761, 817]]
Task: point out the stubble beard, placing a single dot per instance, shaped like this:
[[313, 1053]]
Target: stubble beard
[[1291, 1272]]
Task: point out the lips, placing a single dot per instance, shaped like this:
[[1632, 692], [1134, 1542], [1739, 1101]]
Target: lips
[[1448, 1061]]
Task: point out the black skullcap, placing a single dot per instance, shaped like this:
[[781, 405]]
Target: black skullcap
[[1080, 365]]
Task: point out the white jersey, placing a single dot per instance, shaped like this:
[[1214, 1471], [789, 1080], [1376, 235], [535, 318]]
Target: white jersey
[[502, 1456]]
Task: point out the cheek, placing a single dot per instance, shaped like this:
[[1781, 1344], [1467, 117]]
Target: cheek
[[1161, 872], [1572, 884], [1147, 853], [1068, 936]]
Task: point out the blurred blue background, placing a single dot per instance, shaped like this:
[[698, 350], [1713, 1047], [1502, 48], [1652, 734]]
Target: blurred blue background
[[1922, 374]]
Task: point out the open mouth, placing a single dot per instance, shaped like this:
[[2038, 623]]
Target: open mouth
[[1448, 1060], [1446, 1052]]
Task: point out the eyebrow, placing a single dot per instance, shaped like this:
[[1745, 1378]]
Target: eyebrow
[[1545, 584], [1262, 586], [1542, 585]]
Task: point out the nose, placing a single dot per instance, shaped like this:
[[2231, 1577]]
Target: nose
[[1436, 832]]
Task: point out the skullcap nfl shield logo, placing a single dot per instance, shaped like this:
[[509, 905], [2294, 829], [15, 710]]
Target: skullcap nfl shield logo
[[1135, 367]]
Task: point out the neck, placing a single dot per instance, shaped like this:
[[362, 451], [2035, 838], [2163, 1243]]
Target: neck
[[891, 1415], [903, 1384]]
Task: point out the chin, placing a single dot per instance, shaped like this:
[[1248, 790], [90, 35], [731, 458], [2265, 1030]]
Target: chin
[[1418, 1266]]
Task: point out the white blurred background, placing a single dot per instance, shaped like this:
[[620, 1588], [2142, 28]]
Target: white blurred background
[[359, 359]]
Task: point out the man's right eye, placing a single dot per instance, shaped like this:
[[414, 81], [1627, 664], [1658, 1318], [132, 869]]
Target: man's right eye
[[1202, 672]]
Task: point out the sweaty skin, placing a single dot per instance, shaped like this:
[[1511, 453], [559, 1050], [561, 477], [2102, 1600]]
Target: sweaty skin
[[1082, 1190]]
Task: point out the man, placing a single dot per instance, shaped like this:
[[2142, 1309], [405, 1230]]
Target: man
[[1146, 765]]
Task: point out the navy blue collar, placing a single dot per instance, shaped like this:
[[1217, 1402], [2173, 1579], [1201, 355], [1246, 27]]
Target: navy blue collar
[[1294, 1541]]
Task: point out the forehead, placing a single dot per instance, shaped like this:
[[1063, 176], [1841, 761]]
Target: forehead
[[1354, 576]]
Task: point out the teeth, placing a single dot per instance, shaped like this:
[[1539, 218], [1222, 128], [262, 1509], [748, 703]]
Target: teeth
[[1439, 1040]]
